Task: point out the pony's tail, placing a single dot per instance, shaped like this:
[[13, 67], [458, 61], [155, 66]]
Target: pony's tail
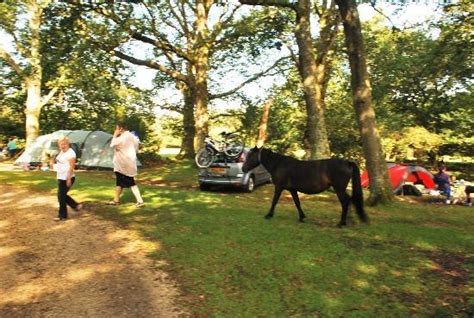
[[357, 195]]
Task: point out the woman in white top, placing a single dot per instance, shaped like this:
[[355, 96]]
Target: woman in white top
[[64, 166], [125, 146]]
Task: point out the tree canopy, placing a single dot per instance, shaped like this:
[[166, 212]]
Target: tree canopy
[[73, 65]]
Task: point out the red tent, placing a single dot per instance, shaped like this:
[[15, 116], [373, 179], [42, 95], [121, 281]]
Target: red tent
[[401, 173]]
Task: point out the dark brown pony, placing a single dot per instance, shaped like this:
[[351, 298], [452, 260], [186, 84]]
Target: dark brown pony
[[310, 177]]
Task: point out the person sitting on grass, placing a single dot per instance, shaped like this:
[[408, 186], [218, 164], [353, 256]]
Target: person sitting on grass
[[4, 152], [469, 189], [443, 181], [12, 148]]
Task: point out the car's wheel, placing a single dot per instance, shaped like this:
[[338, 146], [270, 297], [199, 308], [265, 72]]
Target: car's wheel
[[250, 186], [204, 187]]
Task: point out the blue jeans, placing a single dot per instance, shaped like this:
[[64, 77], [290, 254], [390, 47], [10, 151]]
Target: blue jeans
[[64, 199], [447, 193]]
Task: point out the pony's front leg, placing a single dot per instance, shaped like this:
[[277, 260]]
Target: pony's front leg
[[276, 197], [296, 199]]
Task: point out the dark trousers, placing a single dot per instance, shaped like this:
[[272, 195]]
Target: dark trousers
[[64, 199], [469, 190]]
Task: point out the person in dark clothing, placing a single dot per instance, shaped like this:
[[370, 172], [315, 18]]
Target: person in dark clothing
[[443, 181], [469, 190]]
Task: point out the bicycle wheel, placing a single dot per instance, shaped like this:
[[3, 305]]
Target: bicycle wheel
[[204, 157], [234, 145]]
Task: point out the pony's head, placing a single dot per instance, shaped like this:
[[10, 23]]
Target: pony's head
[[252, 159]]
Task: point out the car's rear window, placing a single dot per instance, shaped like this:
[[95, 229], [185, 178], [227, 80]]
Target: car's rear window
[[223, 159]]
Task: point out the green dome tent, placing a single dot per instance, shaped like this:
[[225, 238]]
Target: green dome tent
[[92, 149]]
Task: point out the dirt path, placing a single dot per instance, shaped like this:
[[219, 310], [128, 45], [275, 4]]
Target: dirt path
[[83, 267]]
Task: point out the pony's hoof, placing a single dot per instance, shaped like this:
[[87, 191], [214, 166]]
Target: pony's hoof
[[301, 220], [268, 217], [341, 225]]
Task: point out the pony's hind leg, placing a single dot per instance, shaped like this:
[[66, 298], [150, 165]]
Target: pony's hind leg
[[276, 197], [296, 199], [345, 200]]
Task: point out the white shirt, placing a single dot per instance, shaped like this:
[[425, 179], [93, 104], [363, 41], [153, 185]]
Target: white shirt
[[125, 154], [62, 164]]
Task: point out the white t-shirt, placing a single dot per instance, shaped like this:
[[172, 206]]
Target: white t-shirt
[[62, 164], [125, 155]]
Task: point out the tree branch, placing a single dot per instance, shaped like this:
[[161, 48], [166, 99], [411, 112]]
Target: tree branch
[[176, 16], [316, 9], [10, 61], [329, 29], [172, 24], [223, 23], [275, 3], [162, 44], [372, 4], [170, 59], [46, 98], [20, 47], [249, 80], [152, 17], [182, 10], [293, 55], [172, 73]]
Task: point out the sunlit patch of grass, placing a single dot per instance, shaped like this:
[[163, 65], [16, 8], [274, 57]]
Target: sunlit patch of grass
[[367, 269], [360, 283], [425, 246]]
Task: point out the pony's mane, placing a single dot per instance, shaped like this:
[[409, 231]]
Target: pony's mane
[[279, 155]]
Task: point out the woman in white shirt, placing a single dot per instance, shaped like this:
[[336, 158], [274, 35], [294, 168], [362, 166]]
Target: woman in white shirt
[[64, 166], [125, 146]]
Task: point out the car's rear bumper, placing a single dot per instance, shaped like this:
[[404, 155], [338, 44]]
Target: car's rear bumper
[[221, 181]]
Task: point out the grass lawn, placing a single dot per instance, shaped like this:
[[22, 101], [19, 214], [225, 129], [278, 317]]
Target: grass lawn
[[415, 259]]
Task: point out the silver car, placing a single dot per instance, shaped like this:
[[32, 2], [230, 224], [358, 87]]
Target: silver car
[[224, 172]]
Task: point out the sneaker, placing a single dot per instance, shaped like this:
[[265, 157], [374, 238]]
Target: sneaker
[[139, 204], [112, 203], [59, 219], [78, 207], [448, 202]]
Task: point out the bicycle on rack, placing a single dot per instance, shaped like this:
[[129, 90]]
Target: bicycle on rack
[[231, 145]]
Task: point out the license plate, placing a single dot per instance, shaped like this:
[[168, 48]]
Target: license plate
[[219, 170]]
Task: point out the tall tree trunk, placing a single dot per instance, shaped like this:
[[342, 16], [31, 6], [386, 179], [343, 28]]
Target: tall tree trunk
[[200, 71], [200, 100], [328, 29], [33, 109], [262, 128], [380, 189], [316, 132], [189, 130], [33, 79], [316, 124]]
